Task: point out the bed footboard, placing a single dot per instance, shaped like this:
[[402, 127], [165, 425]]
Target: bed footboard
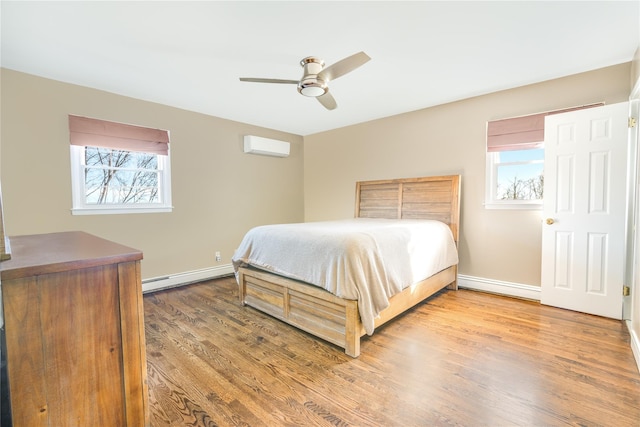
[[311, 309], [323, 314]]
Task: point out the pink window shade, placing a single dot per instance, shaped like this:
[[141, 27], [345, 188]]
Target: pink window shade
[[521, 133], [101, 133]]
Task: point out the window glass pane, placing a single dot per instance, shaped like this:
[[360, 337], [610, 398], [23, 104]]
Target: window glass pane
[[121, 177], [93, 182], [521, 155], [120, 159], [520, 182], [121, 187]]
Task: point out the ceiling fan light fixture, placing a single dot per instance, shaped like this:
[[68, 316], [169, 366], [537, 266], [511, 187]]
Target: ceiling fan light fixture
[[315, 77], [312, 87]]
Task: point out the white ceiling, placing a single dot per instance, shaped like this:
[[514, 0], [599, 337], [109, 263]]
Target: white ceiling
[[191, 54]]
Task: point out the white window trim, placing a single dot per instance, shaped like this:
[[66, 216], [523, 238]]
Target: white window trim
[[490, 201], [79, 207]]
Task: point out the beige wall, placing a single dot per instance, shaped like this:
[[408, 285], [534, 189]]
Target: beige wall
[[218, 191], [450, 139]]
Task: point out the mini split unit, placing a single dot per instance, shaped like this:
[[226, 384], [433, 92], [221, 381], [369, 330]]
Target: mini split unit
[[265, 146]]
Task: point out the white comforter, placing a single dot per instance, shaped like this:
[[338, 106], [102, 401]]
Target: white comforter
[[368, 260]]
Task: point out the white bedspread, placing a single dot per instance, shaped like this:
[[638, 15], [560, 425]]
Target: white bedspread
[[368, 260]]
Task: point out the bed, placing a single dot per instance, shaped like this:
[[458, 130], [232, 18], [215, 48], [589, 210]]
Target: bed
[[343, 320]]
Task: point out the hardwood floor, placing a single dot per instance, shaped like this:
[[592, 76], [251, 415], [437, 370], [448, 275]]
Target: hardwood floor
[[462, 358]]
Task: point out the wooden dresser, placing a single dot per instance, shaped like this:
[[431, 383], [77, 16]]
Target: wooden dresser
[[74, 327]]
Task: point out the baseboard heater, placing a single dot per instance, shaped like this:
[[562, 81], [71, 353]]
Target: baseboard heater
[[165, 282]]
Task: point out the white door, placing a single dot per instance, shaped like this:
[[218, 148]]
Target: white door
[[583, 237]]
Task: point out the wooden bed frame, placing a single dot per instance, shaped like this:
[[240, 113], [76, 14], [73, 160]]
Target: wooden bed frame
[[335, 319]]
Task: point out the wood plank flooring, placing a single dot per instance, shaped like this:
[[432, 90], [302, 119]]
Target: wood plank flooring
[[462, 358]]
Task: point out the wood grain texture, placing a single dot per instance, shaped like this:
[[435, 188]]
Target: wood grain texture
[[133, 344], [431, 197], [74, 332], [22, 308], [39, 254], [80, 342], [461, 358]]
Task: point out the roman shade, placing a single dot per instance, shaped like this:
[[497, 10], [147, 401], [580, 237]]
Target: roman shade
[[522, 133], [102, 133]]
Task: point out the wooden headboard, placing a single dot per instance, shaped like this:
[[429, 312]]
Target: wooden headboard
[[431, 197]]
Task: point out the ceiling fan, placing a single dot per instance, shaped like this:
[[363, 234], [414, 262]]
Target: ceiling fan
[[316, 77]]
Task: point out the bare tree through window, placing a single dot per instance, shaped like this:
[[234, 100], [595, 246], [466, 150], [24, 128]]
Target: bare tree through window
[[515, 177], [120, 177], [522, 189]]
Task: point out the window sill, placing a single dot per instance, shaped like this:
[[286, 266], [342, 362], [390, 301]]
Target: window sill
[[120, 210]]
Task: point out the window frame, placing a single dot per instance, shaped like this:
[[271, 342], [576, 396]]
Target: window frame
[[491, 186], [78, 189]]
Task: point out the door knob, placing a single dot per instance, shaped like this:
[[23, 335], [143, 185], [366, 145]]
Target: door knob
[[550, 221]]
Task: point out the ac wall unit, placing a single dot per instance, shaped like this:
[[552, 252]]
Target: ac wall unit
[[265, 146]]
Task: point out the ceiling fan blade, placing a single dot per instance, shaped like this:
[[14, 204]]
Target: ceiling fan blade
[[256, 80], [343, 66], [328, 101]]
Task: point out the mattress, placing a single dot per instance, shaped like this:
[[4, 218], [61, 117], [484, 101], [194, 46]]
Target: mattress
[[363, 259]]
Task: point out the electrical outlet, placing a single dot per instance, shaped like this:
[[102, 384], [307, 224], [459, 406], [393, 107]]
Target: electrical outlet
[[218, 256]]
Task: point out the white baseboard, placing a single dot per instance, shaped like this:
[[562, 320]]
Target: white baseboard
[[158, 283], [635, 343], [511, 289]]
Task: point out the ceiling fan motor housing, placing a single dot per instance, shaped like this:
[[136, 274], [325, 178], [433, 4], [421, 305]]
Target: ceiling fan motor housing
[[310, 84]]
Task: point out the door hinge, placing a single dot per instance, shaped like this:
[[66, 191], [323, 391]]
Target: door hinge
[[632, 122], [626, 291]]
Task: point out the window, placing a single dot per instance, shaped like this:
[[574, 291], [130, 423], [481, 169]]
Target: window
[[118, 168], [515, 161], [515, 178]]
